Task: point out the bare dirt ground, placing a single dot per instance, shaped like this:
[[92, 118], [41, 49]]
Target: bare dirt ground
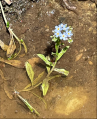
[[73, 96]]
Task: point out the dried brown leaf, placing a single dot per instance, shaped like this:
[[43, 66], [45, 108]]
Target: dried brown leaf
[[15, 63], [1, 74], [8, 94], [11, 47], [6, 88], [8, 2], [3, 46]]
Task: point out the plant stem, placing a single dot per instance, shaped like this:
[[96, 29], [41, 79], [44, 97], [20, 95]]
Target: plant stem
[[52, 68], [57, 42], [3, 13], [10, 30]]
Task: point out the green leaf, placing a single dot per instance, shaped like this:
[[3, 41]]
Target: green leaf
[[22, 41], [7, 25], [52, 77], [54, 54], [45, 86], [28, 105], [48, 68], [12, 56], [54, 39], [56, 47], [38, 78], [62, 52], [62, 71], [25, 47], [30, 71], [70, 40], [44, 59], [28, 86]]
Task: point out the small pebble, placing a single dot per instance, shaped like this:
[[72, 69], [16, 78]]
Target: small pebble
[[93, 6], [78, 57], [90, 29], [85, 49], [81, 50], [16, 111], [47, 30], [91, 63]]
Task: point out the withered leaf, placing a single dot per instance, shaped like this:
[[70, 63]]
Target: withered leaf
[[36, 81], [8, 2], [6, 88], [11, 47], [15, 63], [3, 46]]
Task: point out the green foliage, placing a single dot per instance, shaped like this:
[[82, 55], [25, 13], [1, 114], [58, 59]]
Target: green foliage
[[30, 71], [35, 82], [12, 56], [44, 59], [54, 39], [51, 66], [62, 52], [22, 41], [28, 105], [45, 86], [7, 25], [62, 71], [48, 68]]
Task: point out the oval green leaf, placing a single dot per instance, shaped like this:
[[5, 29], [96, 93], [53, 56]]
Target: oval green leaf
[[30, 71]]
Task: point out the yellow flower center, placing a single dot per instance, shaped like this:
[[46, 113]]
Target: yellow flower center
[[63, 35], [58, 29], [68, 33], [57, 33]]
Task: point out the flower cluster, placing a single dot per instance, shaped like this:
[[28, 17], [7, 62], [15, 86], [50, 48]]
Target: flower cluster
[[63, 32]]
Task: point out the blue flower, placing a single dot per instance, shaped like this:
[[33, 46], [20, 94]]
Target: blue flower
[[62, 31], [61, 25], [57, 28], [63, 36], [69, 33], [57, 33], [65, 28]]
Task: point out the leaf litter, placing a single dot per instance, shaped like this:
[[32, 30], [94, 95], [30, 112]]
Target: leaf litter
[[3, 46], [6, 88], [11, 47], [15, 63]]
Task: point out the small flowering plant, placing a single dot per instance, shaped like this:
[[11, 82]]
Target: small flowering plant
[[61, 32]]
